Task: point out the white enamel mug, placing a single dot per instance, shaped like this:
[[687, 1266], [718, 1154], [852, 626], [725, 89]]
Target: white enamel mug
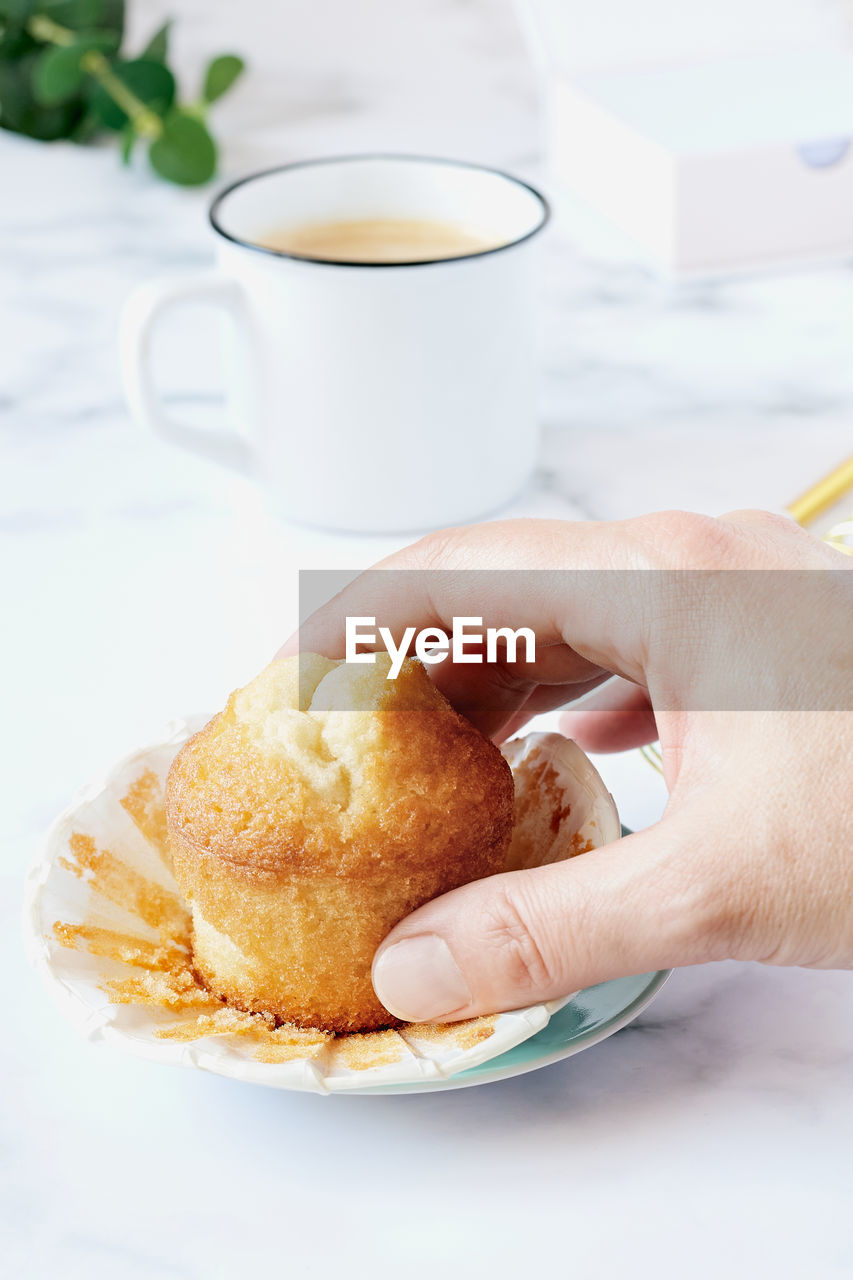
[[366, 397]]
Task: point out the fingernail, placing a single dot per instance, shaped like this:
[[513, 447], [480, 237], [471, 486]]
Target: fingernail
[[419, 981]]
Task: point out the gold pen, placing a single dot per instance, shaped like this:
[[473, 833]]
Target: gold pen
[[821, 496]]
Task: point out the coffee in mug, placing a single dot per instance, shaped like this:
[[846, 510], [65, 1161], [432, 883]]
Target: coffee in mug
[[378, 240]]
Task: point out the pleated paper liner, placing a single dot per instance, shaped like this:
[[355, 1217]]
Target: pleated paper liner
[[109, 931]]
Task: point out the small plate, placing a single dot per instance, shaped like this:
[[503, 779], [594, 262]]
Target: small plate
[[590, 1016]]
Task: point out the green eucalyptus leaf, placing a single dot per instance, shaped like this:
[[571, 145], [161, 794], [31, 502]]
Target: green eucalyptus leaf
[[220, 75], [184, 153], [157, 48], [112, 15], [87, 128], [82, 14], [19, 110], [15, 42], [128, 139], [17, 11], [16, 94], [150, 82], [71, 13], [59, 74]]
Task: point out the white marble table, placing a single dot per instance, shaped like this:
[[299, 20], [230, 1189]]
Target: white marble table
[[714, 1136]]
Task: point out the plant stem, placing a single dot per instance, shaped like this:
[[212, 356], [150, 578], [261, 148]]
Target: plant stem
[[145, 121], [41, 27]]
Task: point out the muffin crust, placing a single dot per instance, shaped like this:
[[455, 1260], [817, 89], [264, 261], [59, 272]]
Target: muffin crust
[[301, 836]]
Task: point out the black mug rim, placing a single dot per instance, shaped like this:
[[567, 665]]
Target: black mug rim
[[213, 212]]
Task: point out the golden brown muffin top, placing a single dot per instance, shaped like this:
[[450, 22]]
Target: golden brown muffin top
[[373, 774]]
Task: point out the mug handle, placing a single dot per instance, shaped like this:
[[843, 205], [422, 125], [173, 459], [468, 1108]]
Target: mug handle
[[141, 313]]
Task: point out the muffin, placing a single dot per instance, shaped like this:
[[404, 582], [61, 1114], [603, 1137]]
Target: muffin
[[301, 836]]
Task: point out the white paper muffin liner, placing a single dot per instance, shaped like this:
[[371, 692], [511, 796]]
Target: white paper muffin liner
[[414, 1054]]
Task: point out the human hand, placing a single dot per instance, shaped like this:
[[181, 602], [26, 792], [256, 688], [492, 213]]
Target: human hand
[[745, 677]]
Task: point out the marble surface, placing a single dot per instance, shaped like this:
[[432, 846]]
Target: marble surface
[[712, 1137]]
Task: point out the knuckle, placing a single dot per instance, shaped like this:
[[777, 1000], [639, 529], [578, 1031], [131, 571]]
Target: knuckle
[[759, 519], [685, 540], [442, 549], [773, 540]]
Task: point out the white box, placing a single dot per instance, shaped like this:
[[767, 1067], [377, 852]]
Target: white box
[[719, 165]]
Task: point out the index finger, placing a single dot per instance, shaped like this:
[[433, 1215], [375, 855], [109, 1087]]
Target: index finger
[[549, 576], [520, 572]]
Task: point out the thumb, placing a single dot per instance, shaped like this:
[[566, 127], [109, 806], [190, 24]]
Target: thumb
[[526, 936]]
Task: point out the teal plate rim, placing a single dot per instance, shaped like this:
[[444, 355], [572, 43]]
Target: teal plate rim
[[591, 1016]]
